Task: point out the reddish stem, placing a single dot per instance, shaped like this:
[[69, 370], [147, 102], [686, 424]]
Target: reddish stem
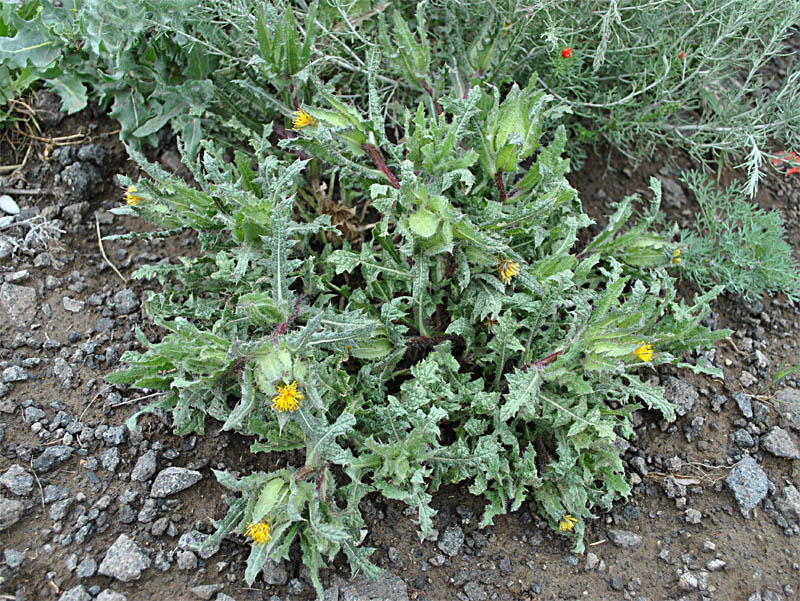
[[381, 164], [429, 90], [498, 178], [549, 359]]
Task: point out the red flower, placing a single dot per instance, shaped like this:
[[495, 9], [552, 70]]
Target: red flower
[[792, 170], [566, 52], [682, 55]]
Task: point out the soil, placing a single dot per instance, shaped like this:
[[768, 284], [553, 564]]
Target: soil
[[685, 536]]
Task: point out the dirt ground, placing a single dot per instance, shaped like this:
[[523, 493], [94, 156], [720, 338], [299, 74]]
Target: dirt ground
[[77, 486]]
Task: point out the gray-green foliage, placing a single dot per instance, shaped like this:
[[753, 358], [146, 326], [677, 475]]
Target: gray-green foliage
[[734, 243], [418, 366]]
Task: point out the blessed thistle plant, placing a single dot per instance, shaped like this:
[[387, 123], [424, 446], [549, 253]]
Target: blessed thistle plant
[[458, 336]]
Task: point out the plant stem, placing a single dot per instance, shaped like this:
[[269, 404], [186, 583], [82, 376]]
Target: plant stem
[[381, 164]]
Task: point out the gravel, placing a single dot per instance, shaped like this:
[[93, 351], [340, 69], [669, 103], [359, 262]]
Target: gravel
[[125, 302], [124, 560], [51, 458], [17, 303], [388, 586], [8, 205], [17, 480], [780, 443], [173, 480], [193, 540], [450, 540], [10, 512], [748, 483], [145, 467], [681, 393], [77, 593], [625, 538], [109, 595]]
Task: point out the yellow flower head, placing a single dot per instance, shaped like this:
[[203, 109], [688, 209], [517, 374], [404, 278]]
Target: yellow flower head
[[676, 257], [507, 270], [301, 119], [506, 26], [259, 532], [644, 352], [131, 198], [288, 399], [567, 523]]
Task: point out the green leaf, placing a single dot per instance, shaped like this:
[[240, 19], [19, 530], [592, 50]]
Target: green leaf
[[72, 91], [423, 223]]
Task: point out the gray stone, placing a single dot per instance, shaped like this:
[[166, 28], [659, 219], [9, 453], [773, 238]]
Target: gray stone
[[275, 573], [59, 509], [674, 195], [13, 558], [715, 565], [63, 372], [745, 404], [224, 597], [52, 458], [10, 512], [55, 492], [33, 414], [387, 588], [125, 302], [193, 541], [145, 467], [475, 592], [149, 511], [687, 582], [186, 560], [14, 374], [72, 305], [780, 443], [77, 593], [206, 591], [173, 480], [748, 483], [110, 459], [693, 516], [788, 404], [295, 587], [746, 379], [742, 439], [591, 562], [788, 503], [8, 205], [109, 595], [681, 394], [450, 540], [124, 560], [17, 303], [17, 480], [160, 526], [114, 436], [87, 568], [625, 538]]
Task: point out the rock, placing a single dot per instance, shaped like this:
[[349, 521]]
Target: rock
[[72, 305], [193, 541], [63, 372], [788, 503], [114, 436], [110, 459], [8, 206], [780, 443], [747, 379], [224, 597], [186, 560], [173, 480], [13, 558], [87, 568], [14, 374], [788, 404], [681, 394], [17, 480], [275, 573], [77, 593], [10, 512], [693, 516], [125, 302], [387, 587], [475, 592], [745, 404], [715, 565], [674, 195], [145, 467], [591, 562], [206, 591], [109, 595], [748, 483], [625, 538], [93, 153], [160, 526], [124, 560], [52, 458], [450, 540], [742, 439], [687, 582]]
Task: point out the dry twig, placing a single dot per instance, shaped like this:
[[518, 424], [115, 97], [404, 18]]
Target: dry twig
[[103, 251]]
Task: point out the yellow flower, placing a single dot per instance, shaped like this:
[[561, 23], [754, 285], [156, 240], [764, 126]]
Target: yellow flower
[[301, 119], [288, 399], [131, 198], [507, 270], [259, 532], [506, 26], [567, 523], [676, 256], [644, 352]]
